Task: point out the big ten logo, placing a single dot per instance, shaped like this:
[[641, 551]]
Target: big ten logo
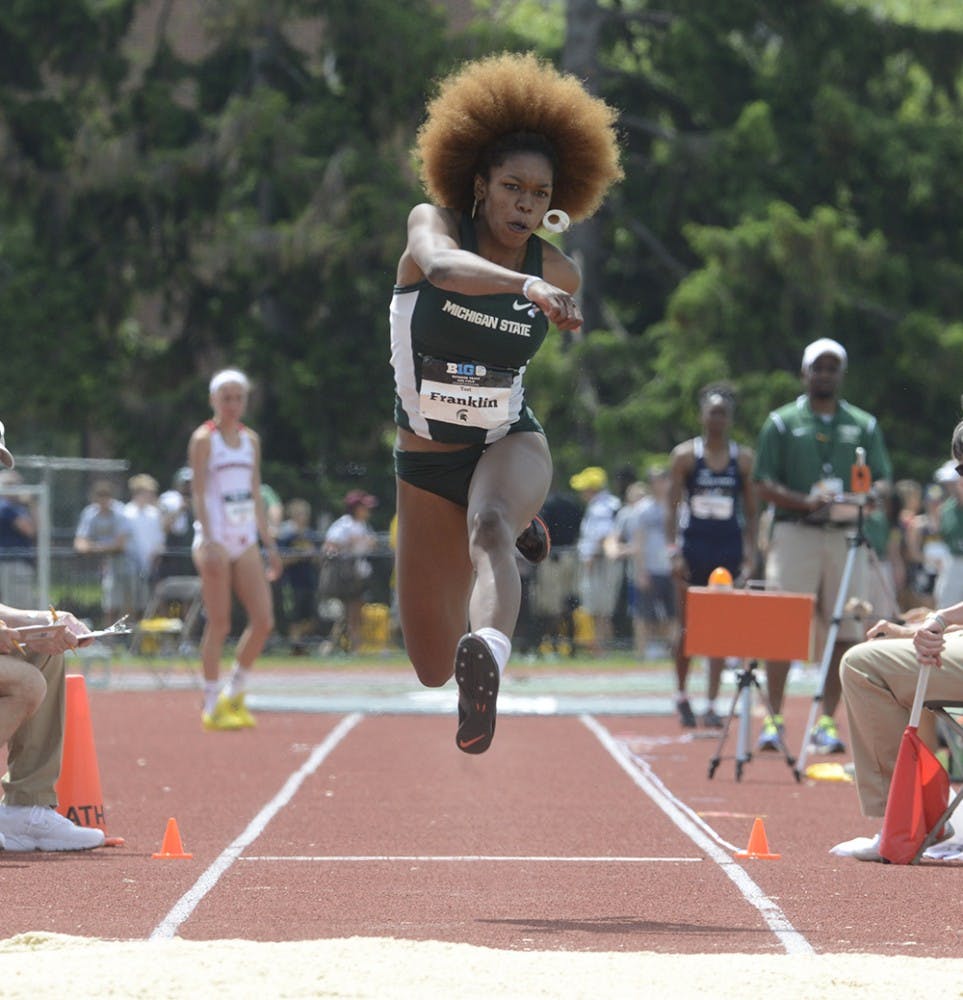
[[465, 368]]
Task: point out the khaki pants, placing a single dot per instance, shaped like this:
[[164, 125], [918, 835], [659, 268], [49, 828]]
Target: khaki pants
[[879, 683], [35, 749], [811, 559]]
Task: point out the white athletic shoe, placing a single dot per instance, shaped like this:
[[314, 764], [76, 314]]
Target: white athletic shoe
[[40, 828]]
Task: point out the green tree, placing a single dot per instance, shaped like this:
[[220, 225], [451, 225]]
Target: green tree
[[791, 174]]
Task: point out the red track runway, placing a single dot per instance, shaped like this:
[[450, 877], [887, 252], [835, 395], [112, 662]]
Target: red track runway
[[575, 833]]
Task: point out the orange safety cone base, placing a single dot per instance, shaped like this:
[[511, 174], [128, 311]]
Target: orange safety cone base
[[758, 844], [172, 846]]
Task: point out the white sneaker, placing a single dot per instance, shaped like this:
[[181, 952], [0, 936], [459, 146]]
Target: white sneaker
[[861, 848], [870, 852], [40, 828]]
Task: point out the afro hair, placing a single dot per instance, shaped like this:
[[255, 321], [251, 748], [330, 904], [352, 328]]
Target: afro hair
[[508, 94]]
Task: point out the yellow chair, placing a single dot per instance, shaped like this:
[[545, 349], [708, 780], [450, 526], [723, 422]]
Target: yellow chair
[[165, 634], [375, 628]]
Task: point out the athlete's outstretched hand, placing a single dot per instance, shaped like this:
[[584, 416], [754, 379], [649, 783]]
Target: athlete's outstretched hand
[[560, 307]]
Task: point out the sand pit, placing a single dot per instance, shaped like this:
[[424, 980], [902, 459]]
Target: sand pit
[[41, 966]]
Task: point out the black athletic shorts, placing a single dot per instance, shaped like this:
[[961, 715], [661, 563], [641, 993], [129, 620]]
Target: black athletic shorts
[[445, 473]]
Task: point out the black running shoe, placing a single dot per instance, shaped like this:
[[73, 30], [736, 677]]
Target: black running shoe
[[712, 720], [686, 715], [476, 674], [534, 542]]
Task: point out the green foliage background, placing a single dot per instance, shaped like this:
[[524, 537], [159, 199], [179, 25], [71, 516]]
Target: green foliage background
[[792, 171]]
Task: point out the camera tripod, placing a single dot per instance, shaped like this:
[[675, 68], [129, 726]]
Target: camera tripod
[[855, 541], [752, 624], [746, 680]]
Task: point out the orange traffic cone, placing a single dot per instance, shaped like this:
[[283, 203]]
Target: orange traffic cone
[[758, 844], [79, 796], [172, 846]]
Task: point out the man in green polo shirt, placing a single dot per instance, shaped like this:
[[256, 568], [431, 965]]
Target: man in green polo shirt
[[803, 466]]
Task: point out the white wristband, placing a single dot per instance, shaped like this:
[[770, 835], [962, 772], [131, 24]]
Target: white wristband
[[529, 281], [935, 619]]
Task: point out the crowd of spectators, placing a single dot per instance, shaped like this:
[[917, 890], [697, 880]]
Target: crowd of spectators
[[607, 585]]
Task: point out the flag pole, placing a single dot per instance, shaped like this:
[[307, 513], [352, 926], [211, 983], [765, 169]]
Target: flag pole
[[921, 684]]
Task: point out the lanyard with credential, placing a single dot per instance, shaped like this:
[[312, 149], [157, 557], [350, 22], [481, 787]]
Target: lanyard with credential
[[824, 434]]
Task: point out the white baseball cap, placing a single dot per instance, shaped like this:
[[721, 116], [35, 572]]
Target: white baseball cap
[[820, 347], [946, 473], [5, 455]]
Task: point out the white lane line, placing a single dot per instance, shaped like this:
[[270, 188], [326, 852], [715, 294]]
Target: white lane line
[[338, 858], [185, 906], [646, 768], [792, 941]]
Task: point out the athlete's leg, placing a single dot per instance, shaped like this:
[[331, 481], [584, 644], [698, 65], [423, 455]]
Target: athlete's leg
[[716, 665], [214, 569], [681, 659], [352, 615], [508, 488], [252, 589], [433, 576]]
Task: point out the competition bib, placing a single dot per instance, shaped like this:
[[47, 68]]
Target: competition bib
[[712, 507], [461, 392], [238, 508]]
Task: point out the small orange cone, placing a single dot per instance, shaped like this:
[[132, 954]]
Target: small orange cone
[[758, 844], [79, 795], [172, 846]]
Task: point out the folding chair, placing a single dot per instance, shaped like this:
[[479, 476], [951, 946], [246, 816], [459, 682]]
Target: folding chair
[[165, 633], [953, 731]]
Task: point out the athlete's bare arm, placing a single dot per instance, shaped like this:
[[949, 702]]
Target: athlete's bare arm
[[433, 253]]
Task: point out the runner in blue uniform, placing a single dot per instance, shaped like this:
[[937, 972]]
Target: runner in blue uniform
[[712, 511], [506, 139]]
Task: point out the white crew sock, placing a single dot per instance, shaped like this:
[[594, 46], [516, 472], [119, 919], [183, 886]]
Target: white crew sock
[[237, 682], [498, 643], [211, 691]]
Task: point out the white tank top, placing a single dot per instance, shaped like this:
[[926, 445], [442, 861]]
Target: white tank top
[[231, 514]]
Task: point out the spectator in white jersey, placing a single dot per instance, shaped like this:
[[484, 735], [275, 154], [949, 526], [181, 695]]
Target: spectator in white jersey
[[147, 535], [350, 540]]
